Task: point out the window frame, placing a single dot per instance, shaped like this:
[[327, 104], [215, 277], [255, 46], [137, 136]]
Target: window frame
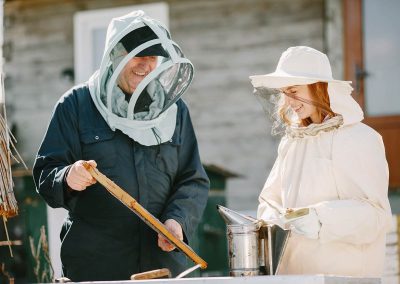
[[85, 22]]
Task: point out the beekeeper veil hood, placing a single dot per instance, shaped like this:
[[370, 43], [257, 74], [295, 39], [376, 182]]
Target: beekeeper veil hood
[[302, 65], [140, 98]]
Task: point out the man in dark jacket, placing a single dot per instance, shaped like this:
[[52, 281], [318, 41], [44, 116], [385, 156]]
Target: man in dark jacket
[[128, 121]]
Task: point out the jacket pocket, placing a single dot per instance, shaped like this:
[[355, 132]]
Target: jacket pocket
[[98, 145], [167, 159], [161, 166]]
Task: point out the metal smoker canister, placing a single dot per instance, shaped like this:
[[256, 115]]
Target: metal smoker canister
[[243, 249], [253, 247]]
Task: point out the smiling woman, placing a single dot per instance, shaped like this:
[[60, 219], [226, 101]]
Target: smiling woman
[[309, 102], [328, 162]]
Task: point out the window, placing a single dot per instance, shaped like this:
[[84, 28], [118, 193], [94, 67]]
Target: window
[[90, 29]]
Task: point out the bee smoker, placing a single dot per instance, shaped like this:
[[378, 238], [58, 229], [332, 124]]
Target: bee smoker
[[254, 248]]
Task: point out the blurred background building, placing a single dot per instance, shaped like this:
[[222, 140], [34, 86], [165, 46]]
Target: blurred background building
[[50, 45]]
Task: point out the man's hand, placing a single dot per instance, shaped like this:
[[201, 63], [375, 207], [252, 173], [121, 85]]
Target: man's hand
[[78, 178], [176, 229]]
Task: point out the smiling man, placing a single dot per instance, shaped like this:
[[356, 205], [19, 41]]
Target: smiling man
[[128, 121], [134, 72]]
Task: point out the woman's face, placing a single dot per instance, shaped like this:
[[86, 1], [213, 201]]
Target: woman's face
[[303, 109]]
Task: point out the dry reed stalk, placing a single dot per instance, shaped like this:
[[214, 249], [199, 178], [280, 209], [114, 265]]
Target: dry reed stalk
[[44, 272], [8, 203], [13, 243], [7, 275]]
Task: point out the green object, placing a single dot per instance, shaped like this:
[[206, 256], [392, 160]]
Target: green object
[[31, 216], [394, 199], [210, 240]]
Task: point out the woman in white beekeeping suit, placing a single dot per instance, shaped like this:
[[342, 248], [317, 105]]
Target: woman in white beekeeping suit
[[329, 163]]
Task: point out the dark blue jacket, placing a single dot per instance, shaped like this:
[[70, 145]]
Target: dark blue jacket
[[102, 239]]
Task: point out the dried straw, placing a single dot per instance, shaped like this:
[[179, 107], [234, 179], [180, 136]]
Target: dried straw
[[8, 203], [44, 272], [6, 274]]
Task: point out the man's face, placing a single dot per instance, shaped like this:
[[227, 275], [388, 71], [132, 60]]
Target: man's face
[[134, 72]]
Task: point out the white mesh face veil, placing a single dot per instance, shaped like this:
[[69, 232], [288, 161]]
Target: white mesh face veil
[[273, 101], [148, 114], [302, 65]]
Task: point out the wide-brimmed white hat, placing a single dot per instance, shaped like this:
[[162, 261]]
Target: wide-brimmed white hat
[[302, 65]]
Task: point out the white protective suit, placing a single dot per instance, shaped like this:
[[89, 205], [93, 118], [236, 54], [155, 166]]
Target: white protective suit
[[342, 173]]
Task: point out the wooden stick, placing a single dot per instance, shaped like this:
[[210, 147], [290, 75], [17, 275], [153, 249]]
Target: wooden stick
[[153, 274], [142, 213], [8, 237], [11, 243]]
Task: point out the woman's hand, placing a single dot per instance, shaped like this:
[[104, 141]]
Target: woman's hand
[[306, 225]]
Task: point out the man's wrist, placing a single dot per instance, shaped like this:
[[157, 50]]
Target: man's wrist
[[68, 191]]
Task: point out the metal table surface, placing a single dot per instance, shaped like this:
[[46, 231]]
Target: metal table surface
[[282, 279]]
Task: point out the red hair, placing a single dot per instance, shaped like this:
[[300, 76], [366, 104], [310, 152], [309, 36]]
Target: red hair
[[320, 99]]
